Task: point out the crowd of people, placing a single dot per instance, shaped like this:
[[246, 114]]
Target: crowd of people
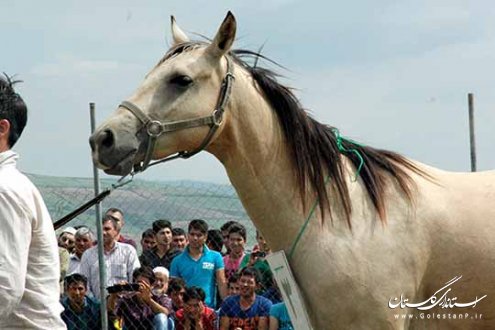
[[201, 278]]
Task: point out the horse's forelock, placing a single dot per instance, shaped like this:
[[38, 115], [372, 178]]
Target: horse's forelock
[[179, 49]]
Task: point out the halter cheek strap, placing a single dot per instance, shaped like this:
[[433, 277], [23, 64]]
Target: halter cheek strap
[[155, 128]]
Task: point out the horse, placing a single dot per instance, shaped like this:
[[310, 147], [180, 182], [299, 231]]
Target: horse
[[375, 240]]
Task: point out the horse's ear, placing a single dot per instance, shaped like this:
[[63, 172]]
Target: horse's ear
[[224, 38], [178, 35]]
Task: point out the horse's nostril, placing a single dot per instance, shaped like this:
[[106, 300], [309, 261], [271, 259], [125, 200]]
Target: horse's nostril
[[108, 139]]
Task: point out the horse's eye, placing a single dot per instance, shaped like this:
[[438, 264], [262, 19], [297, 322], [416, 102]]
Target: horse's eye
[[181, 80]]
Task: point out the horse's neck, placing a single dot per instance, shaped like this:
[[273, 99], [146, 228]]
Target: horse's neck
[[251, 147]]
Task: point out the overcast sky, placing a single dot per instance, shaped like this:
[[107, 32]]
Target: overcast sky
[[391, 74]]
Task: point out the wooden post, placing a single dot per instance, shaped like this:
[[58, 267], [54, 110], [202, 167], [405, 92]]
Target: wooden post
[[472, 139]]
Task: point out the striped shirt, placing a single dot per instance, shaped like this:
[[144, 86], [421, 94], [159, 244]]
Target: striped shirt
[[120, 262]]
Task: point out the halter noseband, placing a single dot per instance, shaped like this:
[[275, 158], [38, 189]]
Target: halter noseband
[[154, 128]]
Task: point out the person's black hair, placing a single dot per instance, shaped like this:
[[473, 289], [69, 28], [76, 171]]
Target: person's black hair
[[160, 224], [198, 224], [226, 226], [148, 233], [175, 284], [144, 272], [238, 229], [178, 232], [12, 108], [251, 272], [194, 292], [215, 240], [75, 278], [234, 278]]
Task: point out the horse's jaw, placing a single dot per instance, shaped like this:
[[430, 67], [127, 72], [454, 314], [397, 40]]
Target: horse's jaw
[[122, 166]]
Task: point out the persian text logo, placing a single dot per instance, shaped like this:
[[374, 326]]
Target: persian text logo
[[440, 298]]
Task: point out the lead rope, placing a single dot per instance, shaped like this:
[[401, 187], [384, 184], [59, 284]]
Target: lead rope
[[303, 228], [342, 149]]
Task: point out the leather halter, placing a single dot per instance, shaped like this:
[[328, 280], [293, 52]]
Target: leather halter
[[155, 128]]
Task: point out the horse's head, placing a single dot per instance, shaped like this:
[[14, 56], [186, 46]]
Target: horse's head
[[177, 108]]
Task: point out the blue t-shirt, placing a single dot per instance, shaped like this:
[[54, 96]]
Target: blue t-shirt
[[201, 272], [245, 319], [279, 311]]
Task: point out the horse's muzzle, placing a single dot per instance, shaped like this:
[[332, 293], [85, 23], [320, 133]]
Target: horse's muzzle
[[114, 153]]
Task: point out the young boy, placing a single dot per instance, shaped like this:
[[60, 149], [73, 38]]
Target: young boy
[[195, 315]]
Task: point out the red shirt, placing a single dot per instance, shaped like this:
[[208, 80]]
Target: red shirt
[[208, 317]]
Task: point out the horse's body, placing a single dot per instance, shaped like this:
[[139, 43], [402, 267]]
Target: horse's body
[[412, 244]]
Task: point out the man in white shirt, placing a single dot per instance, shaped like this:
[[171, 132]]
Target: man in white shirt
[[120, 259], [29, 261]]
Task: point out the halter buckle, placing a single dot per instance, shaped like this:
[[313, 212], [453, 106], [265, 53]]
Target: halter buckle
[[217, 117], [154, 128]]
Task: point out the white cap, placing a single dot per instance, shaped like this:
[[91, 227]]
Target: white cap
[[161, 270], [70, 230]]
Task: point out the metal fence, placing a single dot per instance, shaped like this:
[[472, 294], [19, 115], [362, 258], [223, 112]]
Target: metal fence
[[179, 202]]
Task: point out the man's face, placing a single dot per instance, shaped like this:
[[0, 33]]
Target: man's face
[[179, 242], [161, 282], [76, 292], [83, 242], [110, 233], [147, 243], [164, 236], [263, 245], [236, 243], [193, 308], [177, 298], [67, 241], [247, 286], [225, 236], [234, 288], [117, 216], [196, 238]]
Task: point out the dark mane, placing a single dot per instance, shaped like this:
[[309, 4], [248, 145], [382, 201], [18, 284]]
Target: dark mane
[[315, 150], [315, 147]]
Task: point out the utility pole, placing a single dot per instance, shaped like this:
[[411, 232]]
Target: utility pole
[[472, 138]]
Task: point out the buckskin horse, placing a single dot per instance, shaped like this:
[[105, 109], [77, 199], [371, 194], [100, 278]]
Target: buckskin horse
[[377, 234]]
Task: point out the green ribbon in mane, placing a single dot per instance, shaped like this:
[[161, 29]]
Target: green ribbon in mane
[[343, 150]]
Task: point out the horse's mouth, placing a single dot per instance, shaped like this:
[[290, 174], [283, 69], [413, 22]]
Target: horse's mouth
[[123, 166]]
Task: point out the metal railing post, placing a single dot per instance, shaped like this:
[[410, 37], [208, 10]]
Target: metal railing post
[[99, 230]]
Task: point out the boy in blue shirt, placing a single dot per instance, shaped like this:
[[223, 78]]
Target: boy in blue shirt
[[247, 311]]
